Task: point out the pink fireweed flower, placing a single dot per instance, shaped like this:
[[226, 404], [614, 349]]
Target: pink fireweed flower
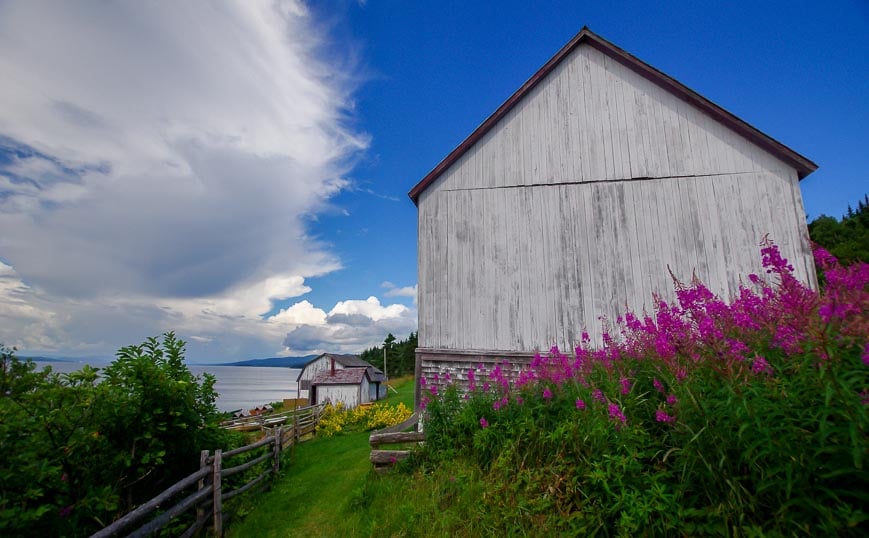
[[626, 385], [662, 416], [484, 423], [866, 354], [580, 404], [547, 394], [658, 385], [671, 400], [616, 414], [486, 387], [519, 400], [422, 382], [447, 377], [434, 390], [760, 366], [436, 378], [597, 394]]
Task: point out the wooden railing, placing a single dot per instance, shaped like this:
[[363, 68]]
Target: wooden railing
[[261, 422], [384, 459], [209, 494]]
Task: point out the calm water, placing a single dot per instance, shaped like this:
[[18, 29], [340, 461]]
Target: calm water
[[238, 387]]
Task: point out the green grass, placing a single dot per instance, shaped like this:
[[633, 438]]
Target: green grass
[[320, 488]]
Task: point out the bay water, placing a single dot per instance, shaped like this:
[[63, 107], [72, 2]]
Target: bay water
[[238, 387]]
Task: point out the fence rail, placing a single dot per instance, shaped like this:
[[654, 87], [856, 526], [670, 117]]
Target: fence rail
[[261, 422], [384, 459], [209, 494]]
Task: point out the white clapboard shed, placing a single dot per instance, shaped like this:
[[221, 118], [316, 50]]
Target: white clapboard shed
[[572, 199], [332, 363], [350, 386]]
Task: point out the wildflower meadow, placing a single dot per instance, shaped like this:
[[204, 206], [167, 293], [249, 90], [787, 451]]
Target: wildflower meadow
[[707, 416]]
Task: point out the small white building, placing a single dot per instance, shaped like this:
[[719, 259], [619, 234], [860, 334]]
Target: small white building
[[349, 386], [332, 364]]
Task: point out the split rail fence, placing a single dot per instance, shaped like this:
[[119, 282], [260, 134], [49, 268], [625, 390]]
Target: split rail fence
[[385, 459], [209, 493]]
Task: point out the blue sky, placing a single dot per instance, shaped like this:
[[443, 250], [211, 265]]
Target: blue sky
[[238, 171]]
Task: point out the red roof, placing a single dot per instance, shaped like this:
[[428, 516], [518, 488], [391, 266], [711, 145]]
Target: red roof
[[802, 165]]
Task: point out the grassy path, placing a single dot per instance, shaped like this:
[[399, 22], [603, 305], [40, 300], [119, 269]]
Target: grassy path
[[313, 492], [316, 489]]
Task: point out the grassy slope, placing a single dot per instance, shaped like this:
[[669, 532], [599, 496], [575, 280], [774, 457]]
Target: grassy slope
[[316, 489]]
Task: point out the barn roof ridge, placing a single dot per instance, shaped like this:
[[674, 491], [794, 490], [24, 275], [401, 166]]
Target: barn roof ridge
[[803, 165]]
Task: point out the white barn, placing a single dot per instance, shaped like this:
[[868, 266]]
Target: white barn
[[574, 197], [326, 362], [350, 386]]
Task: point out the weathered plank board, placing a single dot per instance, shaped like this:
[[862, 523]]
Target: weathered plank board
[[377, 439], [380, 457]]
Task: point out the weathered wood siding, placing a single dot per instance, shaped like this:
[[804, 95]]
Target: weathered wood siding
[[575, 204], [311, 370], [350, 395]]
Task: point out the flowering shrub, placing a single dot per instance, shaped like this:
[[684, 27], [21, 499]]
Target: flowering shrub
[[332, 419], [703, 417], [373, 417]]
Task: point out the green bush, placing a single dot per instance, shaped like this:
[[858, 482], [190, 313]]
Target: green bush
[[79, 449]]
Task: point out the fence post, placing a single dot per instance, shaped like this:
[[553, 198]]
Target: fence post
[[203, 461], [278, 433], [216, 485], [295, 434]]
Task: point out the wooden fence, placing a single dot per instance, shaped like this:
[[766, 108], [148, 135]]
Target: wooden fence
[[208, 497], [261, 422], [384, 459]]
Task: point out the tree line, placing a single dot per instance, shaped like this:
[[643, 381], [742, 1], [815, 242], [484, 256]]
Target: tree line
[[846, 238], [400, 355]]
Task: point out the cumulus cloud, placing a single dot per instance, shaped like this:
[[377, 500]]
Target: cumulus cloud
[[351, 326], [158, 162], [405, 291]]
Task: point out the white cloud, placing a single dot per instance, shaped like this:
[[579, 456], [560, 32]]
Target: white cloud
[[161, 160], [350, 326], [406, 291]]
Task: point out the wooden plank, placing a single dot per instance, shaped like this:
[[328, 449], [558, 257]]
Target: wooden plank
[[163, 519], [388, 456], [377, 439], [151, 505], [217, 498], [229, 471], [242, 489]]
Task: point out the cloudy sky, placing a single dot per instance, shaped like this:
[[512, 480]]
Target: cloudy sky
[[237, 171]]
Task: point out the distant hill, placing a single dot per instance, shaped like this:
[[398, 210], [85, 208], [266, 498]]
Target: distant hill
[[285, 362], [47, 359]]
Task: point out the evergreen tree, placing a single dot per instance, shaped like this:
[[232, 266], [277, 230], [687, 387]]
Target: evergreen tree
[[848, 238]]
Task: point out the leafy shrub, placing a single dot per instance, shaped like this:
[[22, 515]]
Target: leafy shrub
[[79, 449], [703, 418]]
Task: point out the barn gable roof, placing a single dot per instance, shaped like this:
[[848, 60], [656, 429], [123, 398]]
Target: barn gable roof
[[347, 361], [803, 166], [347, 376]]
